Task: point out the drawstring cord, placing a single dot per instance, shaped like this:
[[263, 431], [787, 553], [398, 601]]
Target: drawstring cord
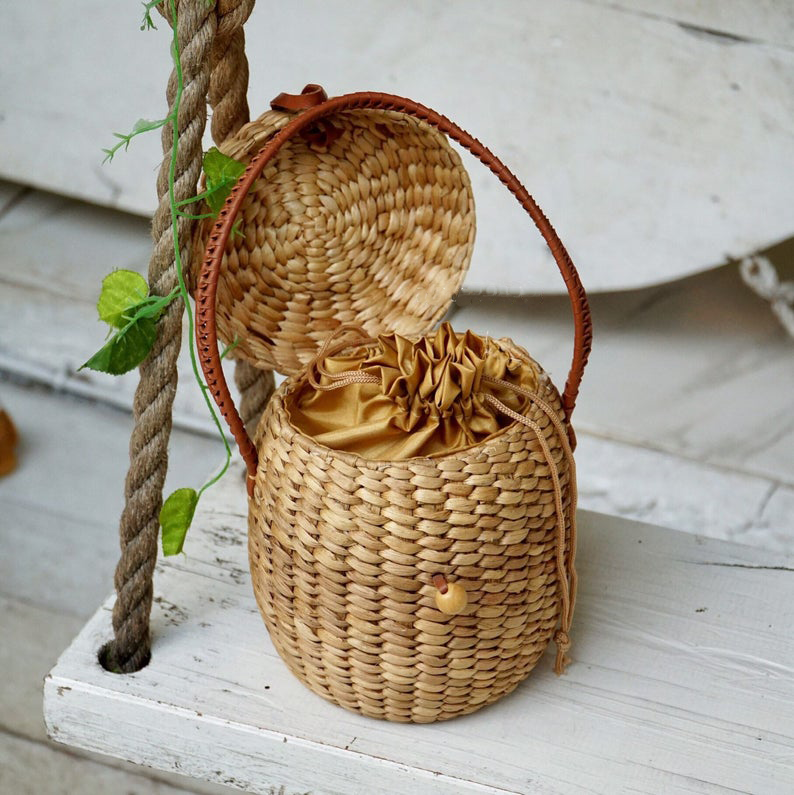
[[566, 570], [349, 377]]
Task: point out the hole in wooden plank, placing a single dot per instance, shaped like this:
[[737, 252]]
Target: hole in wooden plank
[[109, 661]]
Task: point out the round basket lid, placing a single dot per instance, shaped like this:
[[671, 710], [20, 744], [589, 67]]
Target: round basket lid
[[366, 219]]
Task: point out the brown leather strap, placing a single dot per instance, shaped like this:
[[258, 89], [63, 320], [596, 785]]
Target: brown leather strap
[[311, 96], [206, 336]]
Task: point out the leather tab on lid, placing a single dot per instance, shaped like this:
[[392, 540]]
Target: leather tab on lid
[[311, 95]]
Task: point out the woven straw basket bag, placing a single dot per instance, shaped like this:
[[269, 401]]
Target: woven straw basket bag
[[417, 589]]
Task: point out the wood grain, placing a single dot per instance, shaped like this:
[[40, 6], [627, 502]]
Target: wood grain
[[35, 768]]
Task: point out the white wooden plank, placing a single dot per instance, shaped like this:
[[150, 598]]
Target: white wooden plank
[[651, 486], [41, 563], [66, 247], [682, 681], [643, 169], [700, 368], [66, 493], [770, 21], [33, 637], [67, 443]]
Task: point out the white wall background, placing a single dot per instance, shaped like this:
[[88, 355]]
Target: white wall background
[[658, 136]]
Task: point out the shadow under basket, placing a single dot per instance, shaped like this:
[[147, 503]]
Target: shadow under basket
[[412, 590]]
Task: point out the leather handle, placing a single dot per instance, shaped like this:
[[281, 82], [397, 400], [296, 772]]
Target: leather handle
[[206, 335]]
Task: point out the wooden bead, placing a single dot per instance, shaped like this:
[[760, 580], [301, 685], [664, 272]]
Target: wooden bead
[[453, 601]]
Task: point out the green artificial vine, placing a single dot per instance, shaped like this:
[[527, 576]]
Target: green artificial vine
[[132, 313]]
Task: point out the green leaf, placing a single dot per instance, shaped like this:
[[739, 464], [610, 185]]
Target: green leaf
[[152, 306], [221, 173], [148, 22], [146, 125], [175, 518], [141, 126], [121, 291], [220, 167], [126, 349]]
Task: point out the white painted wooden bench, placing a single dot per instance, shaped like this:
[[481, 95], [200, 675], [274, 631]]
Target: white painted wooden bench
[[654, 133], [682, 681]]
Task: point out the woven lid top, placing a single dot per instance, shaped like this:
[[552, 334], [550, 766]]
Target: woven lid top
[[366, 218]]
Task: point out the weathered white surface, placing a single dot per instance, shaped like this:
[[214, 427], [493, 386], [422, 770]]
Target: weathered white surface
[[682, 681], [30, 763], [31, 768], [652, 486], [56, 564], [82, 446], [700, 368], [758, 20], [58, 540], [641, 137]]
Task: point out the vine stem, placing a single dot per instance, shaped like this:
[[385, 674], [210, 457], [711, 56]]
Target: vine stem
[[178, 254]]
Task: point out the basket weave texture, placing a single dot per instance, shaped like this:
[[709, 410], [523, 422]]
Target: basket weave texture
[[343, 549], [372, 224]]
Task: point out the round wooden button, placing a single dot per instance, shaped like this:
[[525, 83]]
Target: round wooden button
[[453, 600]]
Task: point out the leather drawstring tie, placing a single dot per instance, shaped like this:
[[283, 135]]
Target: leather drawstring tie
[[566, 571]]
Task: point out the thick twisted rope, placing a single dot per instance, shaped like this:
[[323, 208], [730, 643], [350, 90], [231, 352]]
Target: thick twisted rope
[[229, 79], [197, 27], [229, 103], [760, 274]]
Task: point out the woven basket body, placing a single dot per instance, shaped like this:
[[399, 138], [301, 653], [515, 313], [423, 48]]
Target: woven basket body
[[373, 224], [343, 549]]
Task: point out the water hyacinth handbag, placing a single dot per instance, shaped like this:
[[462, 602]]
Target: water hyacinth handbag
[[411, 491]]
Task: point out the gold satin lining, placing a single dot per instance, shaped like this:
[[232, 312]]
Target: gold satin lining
[[415, 397]]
